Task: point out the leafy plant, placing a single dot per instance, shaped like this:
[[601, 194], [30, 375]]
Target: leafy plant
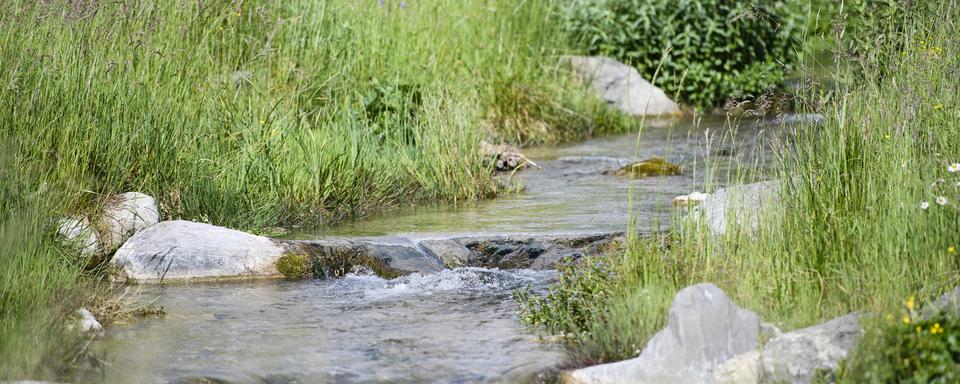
[[908, 349], [706, 51]]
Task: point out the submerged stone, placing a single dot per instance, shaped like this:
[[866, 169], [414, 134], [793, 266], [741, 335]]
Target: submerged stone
[[648, 168]]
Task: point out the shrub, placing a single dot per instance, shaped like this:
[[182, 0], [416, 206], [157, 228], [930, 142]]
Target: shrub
[[706, 50], [908, 349]]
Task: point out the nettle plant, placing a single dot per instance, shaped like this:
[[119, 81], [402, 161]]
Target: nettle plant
[[707, 51]]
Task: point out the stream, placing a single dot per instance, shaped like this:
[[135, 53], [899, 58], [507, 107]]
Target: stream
[[456, 325]]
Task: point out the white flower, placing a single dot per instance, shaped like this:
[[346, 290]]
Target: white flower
[[924, 205], [955, 167], [942, 200]]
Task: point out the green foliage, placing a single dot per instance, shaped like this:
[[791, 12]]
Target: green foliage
[[706, 51], [907, 349], [295, 266]]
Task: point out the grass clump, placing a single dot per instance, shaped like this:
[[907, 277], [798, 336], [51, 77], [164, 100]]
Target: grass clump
[[868, 214]]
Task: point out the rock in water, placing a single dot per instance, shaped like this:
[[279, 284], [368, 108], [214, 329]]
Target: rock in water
[[622, 87], [799, 356], [88, 324], [648, 168], [124, 216], [740, 206], [188, 250], [505, 157], [704, 330]]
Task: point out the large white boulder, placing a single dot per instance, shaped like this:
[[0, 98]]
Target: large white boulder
[[123, 216], [704, 330], [622, 87], [177, 250]]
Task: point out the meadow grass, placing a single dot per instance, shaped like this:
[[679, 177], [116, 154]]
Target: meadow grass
[[254, 114], [850, 234]]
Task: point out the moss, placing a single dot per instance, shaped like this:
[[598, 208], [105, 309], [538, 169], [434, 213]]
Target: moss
[[650, 167], [294, 266]]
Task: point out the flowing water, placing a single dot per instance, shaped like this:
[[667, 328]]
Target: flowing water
[[452, 326]]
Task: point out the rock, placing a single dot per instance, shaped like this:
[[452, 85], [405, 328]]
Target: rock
[[741, 206], [741, 369], [188, 250], [693, 199], [647, 168], [124, 216], [949, 302], [704, 329], [799, 356], [81, 236], [87, 324], [622, 87], [452, 253], [505, 157]]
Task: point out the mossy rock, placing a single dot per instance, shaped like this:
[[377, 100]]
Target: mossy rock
[[649, 168], [295, 266]]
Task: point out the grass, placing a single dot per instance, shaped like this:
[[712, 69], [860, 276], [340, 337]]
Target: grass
[[254, 114], [851, 234]]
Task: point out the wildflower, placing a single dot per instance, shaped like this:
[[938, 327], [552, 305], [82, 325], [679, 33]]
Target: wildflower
[[919, 329], [937, 107], [262, 122], [953, 168], [905, 319], [936, 328], [942, 200], [886, 136], [951, 249], [924, 205], [911, 302]]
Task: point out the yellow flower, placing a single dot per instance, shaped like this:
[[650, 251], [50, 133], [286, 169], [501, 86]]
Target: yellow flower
[[937, 107], [238, 14], [936, 329], [906, 319], [911, 302], [262, 122], [951, 249], [919, 329]]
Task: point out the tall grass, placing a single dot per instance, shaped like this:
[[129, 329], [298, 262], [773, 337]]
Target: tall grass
[[253, 114], [260, 113], [850, 234]]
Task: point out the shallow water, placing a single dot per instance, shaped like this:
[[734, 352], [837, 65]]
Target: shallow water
[[570, 194], [453, 326]]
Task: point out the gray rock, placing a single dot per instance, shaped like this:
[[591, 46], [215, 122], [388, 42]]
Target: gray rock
[[799, 356], [622, 87], [741, 369], [704, 329], [176, 250], [124, 216], [87, 324], [740, 206], [452, 253], [81, 236], [949, 302]]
